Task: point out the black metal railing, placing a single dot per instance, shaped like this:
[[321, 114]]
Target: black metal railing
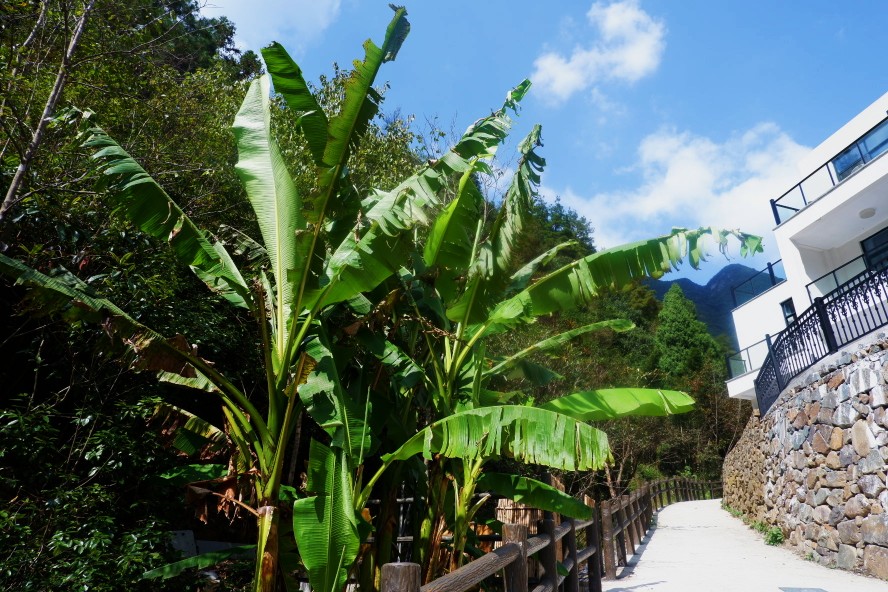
[[854, 309], [815, 185], [761, 282]]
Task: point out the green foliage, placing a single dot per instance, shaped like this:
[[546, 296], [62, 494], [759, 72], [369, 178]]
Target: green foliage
[[774, 536], [683, 343], [83, 510]]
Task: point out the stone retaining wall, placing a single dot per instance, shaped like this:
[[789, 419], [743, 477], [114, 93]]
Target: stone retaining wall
[[815, 464]]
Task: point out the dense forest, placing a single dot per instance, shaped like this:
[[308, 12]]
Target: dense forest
[[367, 381]]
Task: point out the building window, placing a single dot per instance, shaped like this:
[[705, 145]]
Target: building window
[[788, 310], [875, 250], [874, 143]]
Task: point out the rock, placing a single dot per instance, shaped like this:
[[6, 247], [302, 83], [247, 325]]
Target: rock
[[835, 381], [800, 421], [843, 393], [845, 415], [829, 401], [863, 379], [836, 515], [862, 438], [847, 557], [872, 463], [834, 479], [836, 439], [857, 506], [844, 359], [833, 500], [812, 410], [819, 444], [821, 514], [878, 397], [871, 485], [846, 455], [820, 496], [849, 532], [799, 437], [832, 460], [874, 530], [875, 561], [805, 513], [829, 539]]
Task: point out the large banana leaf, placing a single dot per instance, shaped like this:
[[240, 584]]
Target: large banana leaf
[[325, 525], [601, 404], [534, 493], [360, 264], [287, 78], [147, 205], [274, 198], [326, 400], [488, 277], [527, 434], [360, 105], [579, 281]]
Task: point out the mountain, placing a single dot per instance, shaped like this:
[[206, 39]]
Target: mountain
[[713, 301]]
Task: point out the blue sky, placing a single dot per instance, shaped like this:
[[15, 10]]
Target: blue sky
[[655, 113]]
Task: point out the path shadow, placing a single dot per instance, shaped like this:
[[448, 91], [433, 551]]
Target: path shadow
[[632, 562]]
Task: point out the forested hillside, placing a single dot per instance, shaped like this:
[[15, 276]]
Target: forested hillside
[[281, 300]]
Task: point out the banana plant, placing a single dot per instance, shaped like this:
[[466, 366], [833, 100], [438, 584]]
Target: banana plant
[[463, 289]]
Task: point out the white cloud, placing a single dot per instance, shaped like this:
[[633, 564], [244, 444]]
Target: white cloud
[[628, 47], [688, 180], [294, 23]]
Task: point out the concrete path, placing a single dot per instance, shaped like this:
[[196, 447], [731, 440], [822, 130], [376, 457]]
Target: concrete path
[[698, 547]]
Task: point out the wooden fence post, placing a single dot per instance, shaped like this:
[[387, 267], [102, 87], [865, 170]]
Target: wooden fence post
[[638, 517], [572, 580], [516, 572], [547, 554], [626, 531], [400, 577], [593, 566], [607, 543]]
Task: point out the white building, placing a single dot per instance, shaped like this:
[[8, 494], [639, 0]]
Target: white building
[[830, 287]]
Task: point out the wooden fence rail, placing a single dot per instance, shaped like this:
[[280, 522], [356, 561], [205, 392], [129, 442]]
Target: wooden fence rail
[[616, 529]]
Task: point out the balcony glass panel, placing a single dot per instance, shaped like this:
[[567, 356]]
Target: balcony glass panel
[[817, 184], [847, 162], [876, 142]]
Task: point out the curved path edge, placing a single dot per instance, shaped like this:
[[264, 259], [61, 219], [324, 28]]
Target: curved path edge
[[698, 546]]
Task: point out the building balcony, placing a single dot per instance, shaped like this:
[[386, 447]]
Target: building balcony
[[761, 282], [841, 317], [847, 163]]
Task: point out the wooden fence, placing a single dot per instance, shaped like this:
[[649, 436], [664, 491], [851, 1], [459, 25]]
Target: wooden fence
[[615, 531]]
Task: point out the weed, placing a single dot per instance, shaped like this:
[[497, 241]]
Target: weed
[[774, 536]]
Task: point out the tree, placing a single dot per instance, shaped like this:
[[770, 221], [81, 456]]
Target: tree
[[682, 341]]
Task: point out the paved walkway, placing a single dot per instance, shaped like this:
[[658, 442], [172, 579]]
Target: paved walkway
[[698, 547]]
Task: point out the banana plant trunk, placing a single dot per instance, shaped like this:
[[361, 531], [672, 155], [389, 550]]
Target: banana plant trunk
[[265, 577]]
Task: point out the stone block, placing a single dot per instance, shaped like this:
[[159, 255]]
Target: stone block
[[857, 506], [878, 397], [843, 393], [835, 380], [874, 530], [845, 415], [846, 455], [820, 496], [829, 401], [849, 532], [799, 437], [801, 420], [834, 479], [862, 438], [875, 561], [836, 439], [832, 460], [847, 557], [836, 515], [821, 514], [871, 485], [872, 463]]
